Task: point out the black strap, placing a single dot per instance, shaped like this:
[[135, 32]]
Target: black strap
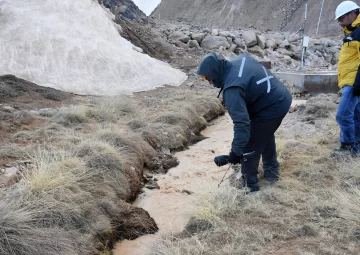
[[220, 92]]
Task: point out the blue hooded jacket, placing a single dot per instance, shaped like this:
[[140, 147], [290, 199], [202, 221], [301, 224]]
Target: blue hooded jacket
[[250, 93]]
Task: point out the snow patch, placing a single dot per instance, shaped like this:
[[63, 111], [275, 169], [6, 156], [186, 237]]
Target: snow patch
[[74, 46]]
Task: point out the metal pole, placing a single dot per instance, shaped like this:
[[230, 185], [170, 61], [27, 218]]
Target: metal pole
[[303, 48], [322, 5]]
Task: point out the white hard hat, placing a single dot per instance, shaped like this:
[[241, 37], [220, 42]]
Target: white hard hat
[[345, 7]]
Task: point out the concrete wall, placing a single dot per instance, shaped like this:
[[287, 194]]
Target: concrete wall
[[322, 82]]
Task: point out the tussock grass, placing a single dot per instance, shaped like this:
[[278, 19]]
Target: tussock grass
[[213, 205], [23, 116], [22, 136], [177, 246], [106, 163], [129, 144], [137, 124], [7, 91], [51, 201], [321, 106], [110, 109], [62, 194], [20, 235], [70, 117], [13, 151], [164, 135]]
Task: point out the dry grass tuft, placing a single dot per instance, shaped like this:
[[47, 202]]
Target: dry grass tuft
[[13, 151], [20, 234], [137, 124], [172, 245], [129, 144], [321, 106], [110, 109], [23, 116], [70, 117], [107, 164], [22, 136]]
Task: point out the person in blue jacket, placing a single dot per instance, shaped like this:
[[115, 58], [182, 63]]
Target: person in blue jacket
[[257, 102]]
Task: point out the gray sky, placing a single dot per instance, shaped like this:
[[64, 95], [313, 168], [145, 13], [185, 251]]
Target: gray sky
[[147, 6]]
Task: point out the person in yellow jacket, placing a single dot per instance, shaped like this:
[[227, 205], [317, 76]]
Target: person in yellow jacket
[[348, 113]]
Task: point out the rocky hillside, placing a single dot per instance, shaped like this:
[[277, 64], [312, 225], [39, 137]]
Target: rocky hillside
[[124, 9], [286, 15]]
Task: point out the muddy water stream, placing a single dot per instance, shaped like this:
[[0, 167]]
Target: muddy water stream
[[172, 205]]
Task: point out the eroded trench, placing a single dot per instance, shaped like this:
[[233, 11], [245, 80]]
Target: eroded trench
[[174, 203]]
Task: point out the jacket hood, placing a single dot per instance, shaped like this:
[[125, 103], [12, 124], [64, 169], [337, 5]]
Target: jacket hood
[[348, 30], [213, 67]]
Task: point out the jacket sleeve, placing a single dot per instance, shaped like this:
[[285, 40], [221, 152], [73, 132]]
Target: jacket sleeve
[[357, 78], [234, 100]]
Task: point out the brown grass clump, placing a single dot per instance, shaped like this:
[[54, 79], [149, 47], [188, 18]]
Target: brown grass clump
[[129, 143], [13, 151], [72, 116], [106, 163], [321, 106], [23, 117], [22, 136], [110, 109], [20, 234]]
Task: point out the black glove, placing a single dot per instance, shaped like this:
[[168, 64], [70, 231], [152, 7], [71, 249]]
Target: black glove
[[356, 91], [221, 160], [235, 159]]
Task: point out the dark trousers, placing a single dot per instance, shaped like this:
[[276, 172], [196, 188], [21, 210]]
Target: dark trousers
[[262, 142]]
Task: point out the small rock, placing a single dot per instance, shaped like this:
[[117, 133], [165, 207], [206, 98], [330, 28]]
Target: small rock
[[187, 192], [296, 144], [215, 32], [165, 150], [153, 185], [149, 176], [10, 109], [48, 112]]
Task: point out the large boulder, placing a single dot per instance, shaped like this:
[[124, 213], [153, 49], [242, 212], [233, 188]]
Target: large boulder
[[271, 44], [256, 50], [250, 38], [261, 41], [240, 43], [198, 37], [179, 36], [224, 33], [214, 32], [214, 42], [194, 44]]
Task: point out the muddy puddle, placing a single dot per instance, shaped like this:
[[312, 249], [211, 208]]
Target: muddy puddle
[[173, 204]]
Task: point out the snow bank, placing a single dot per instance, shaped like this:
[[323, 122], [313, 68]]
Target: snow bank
[[75, 47]]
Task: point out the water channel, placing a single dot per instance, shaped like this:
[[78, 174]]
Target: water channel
[[172, 205]]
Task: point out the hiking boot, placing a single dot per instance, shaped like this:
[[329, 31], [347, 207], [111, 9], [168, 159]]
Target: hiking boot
[[345, 150], [355, 150], [252, 187], [271, 175]]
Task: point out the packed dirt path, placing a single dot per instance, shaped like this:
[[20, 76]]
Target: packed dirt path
[[172, 205]]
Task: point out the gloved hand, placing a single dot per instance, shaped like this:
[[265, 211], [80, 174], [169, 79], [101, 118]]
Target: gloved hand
[[356, 91], [235, 159], [221, 160]]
